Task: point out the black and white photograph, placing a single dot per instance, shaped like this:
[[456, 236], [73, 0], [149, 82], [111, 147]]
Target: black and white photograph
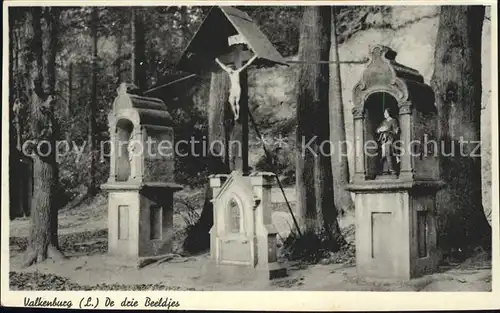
[[157, 150]]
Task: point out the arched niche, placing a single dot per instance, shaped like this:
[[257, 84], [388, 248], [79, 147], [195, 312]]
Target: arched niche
[[144, 123], [124, 129], [385, 83], [374, 107]]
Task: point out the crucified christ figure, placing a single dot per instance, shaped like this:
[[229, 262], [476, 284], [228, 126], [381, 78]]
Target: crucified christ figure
[[235, 91]]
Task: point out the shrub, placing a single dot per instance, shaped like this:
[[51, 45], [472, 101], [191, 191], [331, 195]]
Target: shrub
[[311, 247]]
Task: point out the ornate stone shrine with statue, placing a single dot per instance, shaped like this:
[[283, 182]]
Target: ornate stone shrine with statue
[[396, 170], [140, 185]]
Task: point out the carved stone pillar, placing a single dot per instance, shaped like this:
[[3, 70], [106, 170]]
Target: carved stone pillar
[[406, 172], [216, 182], [265, 230], [359, 155]]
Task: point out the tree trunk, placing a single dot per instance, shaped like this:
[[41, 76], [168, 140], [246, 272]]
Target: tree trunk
[[306, 94], [12, 67], [43, 241], [67, 135], [198, 238], [139, 50], [15, 209], [118, 69], [325, 206], [70, 89], [343, 200], [457, 84], [53, 21], [315, 197], [219, 116], [133, 70], [92, 187]]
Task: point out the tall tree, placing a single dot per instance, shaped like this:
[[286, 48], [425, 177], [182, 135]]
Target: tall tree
[[52, 17], [139, 49], [14, 129], [457, 84], [314, 172], [119, 58], [43, 241], [343, 200], [94, 24], [306, 94], [70, 88]]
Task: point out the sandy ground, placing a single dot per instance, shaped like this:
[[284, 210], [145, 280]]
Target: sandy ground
[[188, 272]]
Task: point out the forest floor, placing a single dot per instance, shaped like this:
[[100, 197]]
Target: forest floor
[[83, 238]]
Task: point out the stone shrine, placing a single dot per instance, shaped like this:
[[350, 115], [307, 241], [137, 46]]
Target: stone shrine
[[140, 185], [396, 170], [243, 238]]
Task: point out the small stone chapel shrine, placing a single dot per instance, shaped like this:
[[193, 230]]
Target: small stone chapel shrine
[[243, 236], [140, 184], [396, 170]]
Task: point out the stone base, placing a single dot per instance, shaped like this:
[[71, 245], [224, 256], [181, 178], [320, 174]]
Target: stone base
[[395, 229], [234, 273], [140, 219]]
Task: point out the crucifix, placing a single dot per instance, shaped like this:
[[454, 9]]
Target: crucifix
[[229, 41], [235, 90], [235, 64]]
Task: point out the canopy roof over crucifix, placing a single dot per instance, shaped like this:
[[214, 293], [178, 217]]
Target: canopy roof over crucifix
[[213, 38]]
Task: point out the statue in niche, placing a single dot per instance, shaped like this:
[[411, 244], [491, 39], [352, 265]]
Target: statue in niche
[[131, 148], [388, 132]]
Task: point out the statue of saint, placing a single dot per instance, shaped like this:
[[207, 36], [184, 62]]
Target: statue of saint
[[388, 132]]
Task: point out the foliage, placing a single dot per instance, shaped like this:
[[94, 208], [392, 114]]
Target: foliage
[[190, 205], [279, 24], [312, 246], [167, 32], [282, 163], [74, 171]]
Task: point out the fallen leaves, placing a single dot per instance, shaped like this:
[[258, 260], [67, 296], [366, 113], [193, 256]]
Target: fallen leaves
[[41, 281]]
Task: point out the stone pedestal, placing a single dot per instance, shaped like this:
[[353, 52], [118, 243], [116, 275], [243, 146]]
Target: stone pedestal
[[395, 229], [243, 238], [140, 219]]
